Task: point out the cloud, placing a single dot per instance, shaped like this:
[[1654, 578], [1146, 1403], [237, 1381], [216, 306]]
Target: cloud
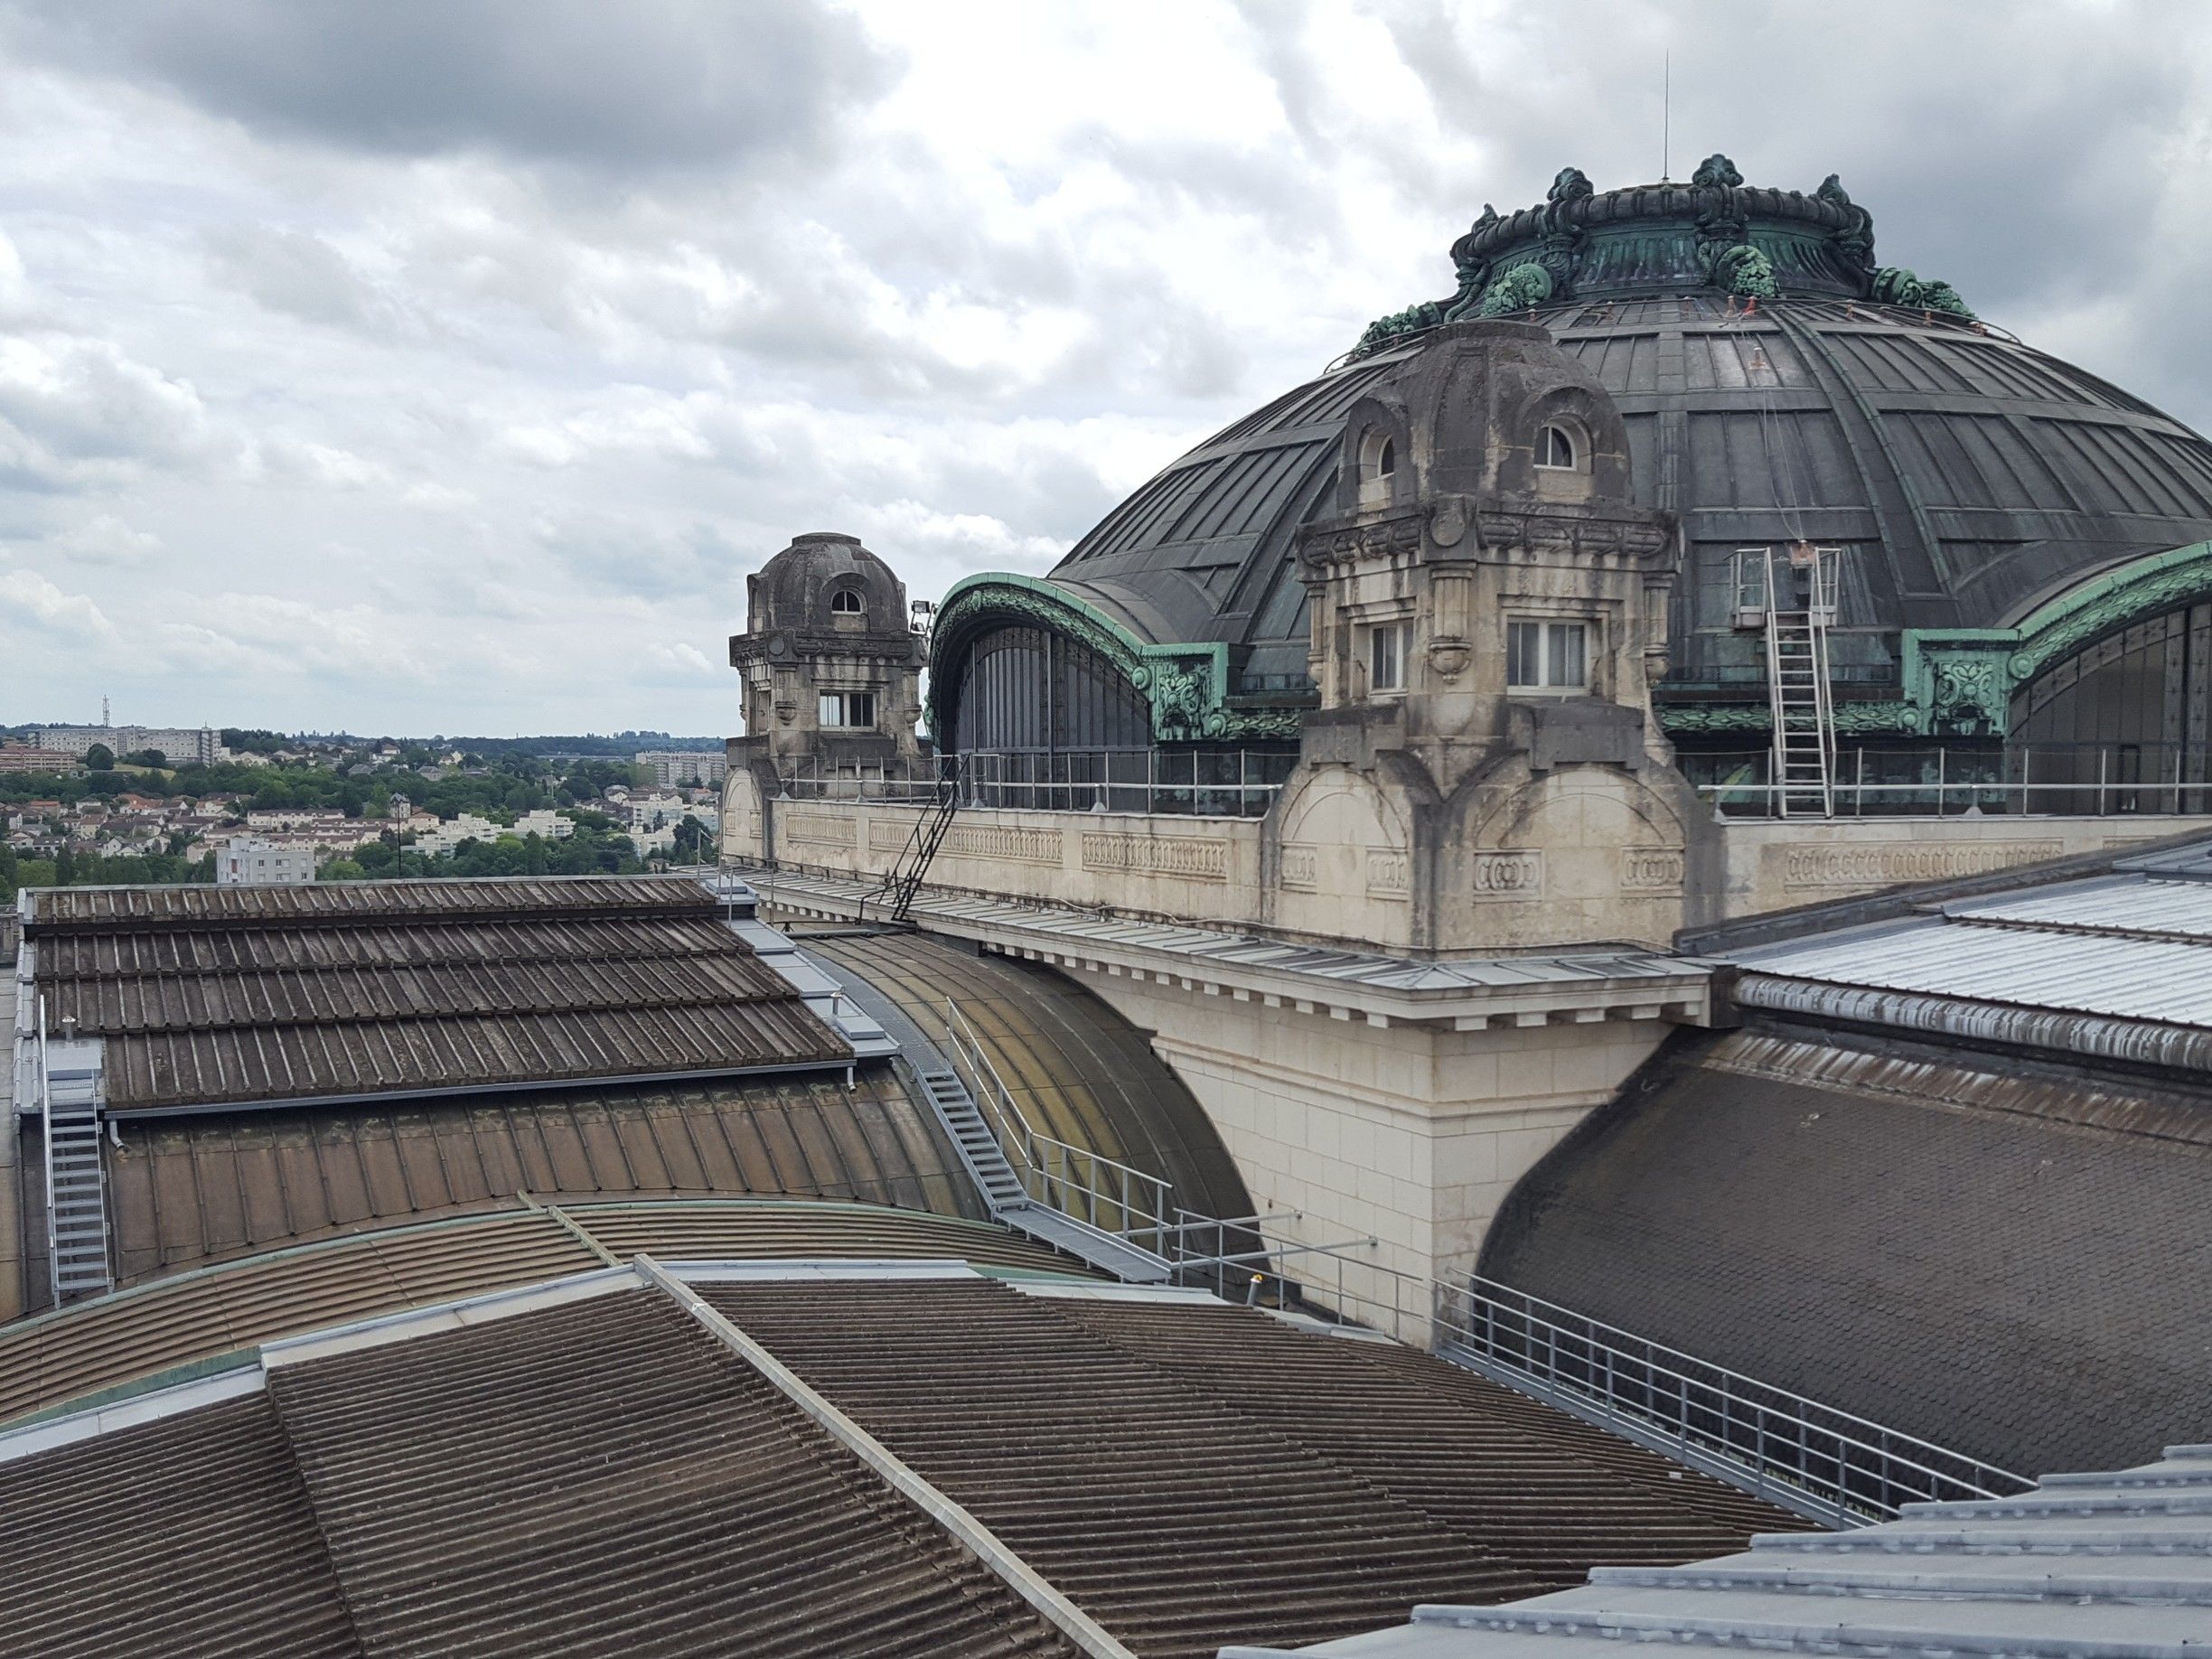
[[31, 597], [75, 412], [449, 367], [652, 83], [106, 541]]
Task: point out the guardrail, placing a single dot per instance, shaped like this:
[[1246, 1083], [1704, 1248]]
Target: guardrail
[[1214, 783], [1827, 1464], [1100, 1191], [2091, 781]]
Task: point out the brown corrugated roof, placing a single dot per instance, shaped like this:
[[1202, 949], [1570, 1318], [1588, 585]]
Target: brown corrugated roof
[[187, 1535], [1194, 1476], [190, 1317], [604, 1478], [187, 1190], [137, 909], [221, 996], [601, 1474]]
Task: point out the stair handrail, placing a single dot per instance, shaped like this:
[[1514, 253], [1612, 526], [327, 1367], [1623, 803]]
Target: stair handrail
[[1064, 1173], [45, 1093]]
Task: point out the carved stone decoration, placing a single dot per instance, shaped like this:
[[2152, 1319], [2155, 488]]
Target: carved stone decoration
[[1826, 864], [1188, 856], [1448, 524], [1652, 869], [1300, 867], [1515, 875], [1390, 874]]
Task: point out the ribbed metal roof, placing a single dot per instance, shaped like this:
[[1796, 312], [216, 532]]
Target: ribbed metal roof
[[2032, 966], [226, 995], [2132, 946], [2116, 1564], [189, 1319], [1971, 475], [778, 1462]]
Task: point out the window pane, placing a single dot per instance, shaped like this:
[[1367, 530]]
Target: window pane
[[832, 709], [1382, 660], [861, 708], [1567, 646], [1523, 642]]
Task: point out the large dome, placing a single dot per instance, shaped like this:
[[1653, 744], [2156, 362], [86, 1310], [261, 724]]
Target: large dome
[[1970, 476]]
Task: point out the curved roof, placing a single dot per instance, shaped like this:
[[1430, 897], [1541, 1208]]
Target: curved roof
[[2006, 1262], [1978, 476], [1081, 1072], [188, 1318], [185, 1192]]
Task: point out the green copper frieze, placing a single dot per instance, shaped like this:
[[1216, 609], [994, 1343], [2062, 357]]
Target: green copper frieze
[[1185, 687]]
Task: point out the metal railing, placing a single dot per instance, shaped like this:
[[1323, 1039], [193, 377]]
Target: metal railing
[[46, 1141], [2090, 781], [1191, 783], [1099, 1191], [1827, 1464], [1822, 1462]]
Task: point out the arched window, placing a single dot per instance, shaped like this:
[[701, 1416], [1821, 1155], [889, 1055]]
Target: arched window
[[1378, 468], [1555, 448], [848, 602]]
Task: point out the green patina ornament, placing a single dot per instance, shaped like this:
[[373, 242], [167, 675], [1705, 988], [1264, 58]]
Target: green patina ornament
[[1571, 184], [1716, 171], [1522, 288], [1893, 285], [1744, 269]]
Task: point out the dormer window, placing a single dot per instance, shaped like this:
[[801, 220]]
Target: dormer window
[[848, 602], [1555, 449], [1378, 469]]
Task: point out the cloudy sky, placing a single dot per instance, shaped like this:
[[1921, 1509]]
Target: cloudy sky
[[444, 365]]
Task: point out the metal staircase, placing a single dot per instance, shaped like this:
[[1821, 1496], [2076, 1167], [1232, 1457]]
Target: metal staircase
[[69, 1080], [1798, 604], [1010, 1200], [1038, 1197]]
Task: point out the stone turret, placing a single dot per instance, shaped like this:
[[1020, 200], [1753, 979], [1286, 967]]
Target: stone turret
[[832, 665], [1488, 609]]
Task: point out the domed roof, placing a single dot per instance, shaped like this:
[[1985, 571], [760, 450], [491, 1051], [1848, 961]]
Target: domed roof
[[1769, 395], [792, 589]]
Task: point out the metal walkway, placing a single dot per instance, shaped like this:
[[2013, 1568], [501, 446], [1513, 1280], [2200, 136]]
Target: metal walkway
[[1004, 1191]]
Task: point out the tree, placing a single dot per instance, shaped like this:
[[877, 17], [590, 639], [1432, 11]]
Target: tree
[[146, 757], [100, 757], [341, 869], [692, 844]]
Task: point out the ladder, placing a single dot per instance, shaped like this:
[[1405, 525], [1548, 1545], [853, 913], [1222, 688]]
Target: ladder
[[76, 1185], [1797, 683], [904, 880]]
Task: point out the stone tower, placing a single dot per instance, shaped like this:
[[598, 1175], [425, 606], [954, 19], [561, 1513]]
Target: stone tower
[[1488, 609], [832, 665]]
